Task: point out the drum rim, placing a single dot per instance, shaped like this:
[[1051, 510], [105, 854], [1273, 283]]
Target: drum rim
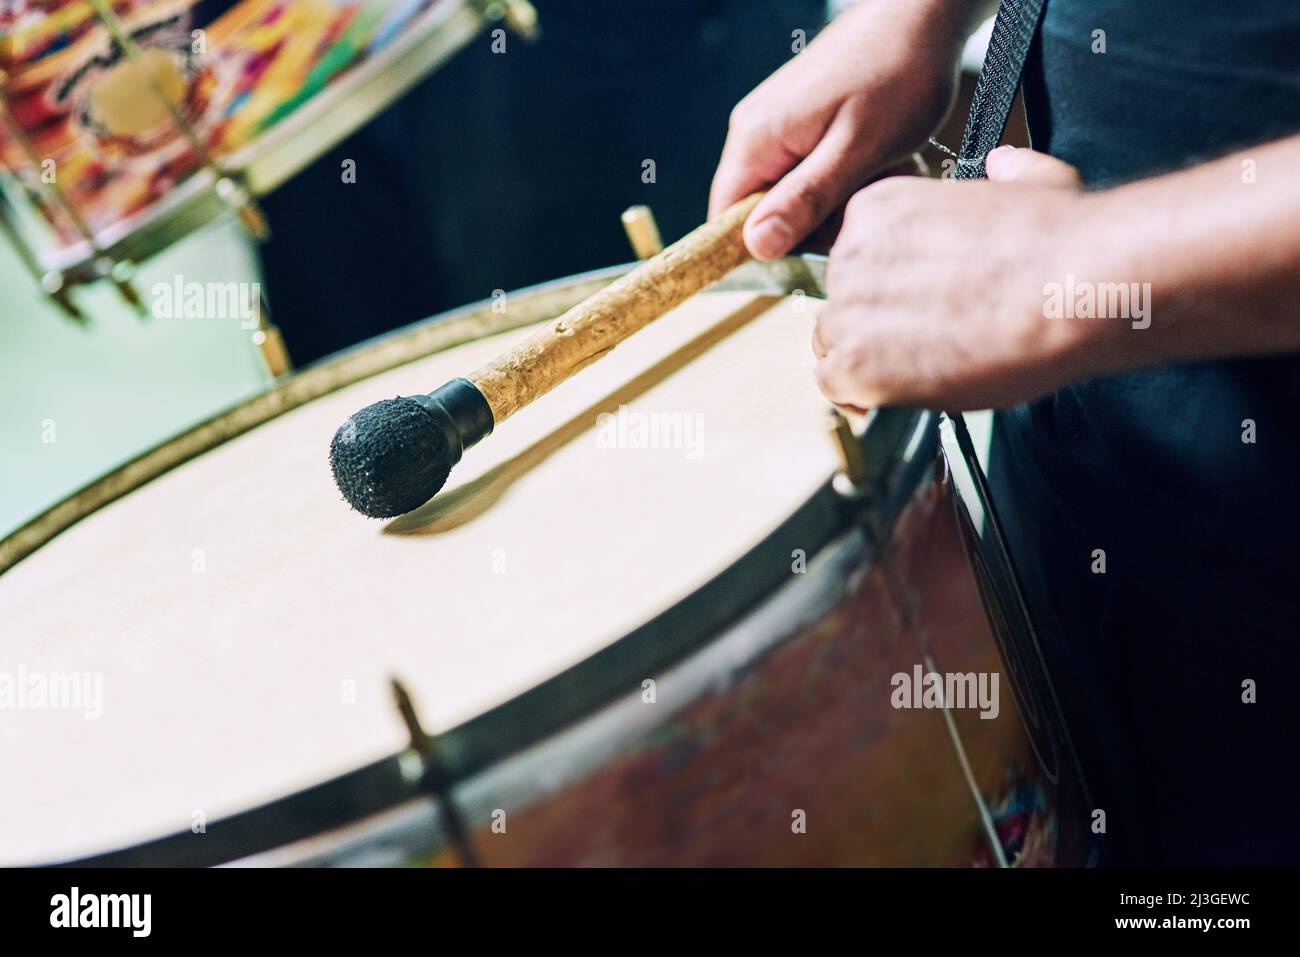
[[896, 443], [382, 353]]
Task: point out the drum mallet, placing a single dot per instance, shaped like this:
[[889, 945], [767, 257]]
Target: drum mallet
[[394, 455]]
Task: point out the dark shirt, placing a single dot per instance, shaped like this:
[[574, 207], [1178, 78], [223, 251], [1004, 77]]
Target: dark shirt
[[1200, 529]]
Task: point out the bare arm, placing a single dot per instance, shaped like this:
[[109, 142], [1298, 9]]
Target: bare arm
[[952, 294], [1220, 245]]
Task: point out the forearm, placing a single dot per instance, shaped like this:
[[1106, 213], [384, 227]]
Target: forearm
[[1220, 246], [938, 23]]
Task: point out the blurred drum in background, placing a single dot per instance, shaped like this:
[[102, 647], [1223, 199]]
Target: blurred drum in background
[[661, 618], [135, 122]]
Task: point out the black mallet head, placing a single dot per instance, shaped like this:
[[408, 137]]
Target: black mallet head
[[394, 455]]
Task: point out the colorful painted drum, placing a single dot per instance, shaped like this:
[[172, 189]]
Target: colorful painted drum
[[651, 621], [254, 88]]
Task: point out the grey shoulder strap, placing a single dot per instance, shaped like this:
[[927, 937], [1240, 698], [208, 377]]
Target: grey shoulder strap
[[1013, 33]]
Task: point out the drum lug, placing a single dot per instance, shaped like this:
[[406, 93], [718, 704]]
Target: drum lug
[[270, 341], [852, 480], [642, 231], [238, 199], [433, 776], [519, 15], [57, 290]]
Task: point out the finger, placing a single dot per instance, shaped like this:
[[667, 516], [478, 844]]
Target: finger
[[829, 328], [914, 165], [821, 239], [806, 195], [818, 345], [1007, 164], [737, 176], [750, 161], [835, 377]]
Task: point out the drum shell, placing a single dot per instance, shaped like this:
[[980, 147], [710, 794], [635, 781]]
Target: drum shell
[[784, 717]]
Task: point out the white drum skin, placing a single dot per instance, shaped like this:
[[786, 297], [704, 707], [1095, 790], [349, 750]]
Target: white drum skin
[[244, 622]]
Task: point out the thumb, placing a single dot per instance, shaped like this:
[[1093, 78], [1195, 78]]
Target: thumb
[[1007, 164], [805, 196]]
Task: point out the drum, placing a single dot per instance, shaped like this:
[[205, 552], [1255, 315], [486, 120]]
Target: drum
[[131, 150], [660, 617]]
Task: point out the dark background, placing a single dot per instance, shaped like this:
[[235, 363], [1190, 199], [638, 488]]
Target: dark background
[[503, 170]]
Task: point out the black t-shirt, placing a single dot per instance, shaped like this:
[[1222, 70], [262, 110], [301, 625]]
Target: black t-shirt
[[1187, 477]]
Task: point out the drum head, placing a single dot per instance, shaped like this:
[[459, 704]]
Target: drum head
[[225, 634]]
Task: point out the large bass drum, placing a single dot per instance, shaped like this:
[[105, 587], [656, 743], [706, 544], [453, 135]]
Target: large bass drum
[[660, 617]]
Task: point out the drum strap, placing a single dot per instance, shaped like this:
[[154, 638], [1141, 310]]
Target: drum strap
[[1013, 34], [1004, 64]]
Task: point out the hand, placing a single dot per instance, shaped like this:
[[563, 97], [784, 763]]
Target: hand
[[936, 289], [862, 97]]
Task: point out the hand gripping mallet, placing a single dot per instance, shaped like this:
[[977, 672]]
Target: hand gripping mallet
[[394, 455]]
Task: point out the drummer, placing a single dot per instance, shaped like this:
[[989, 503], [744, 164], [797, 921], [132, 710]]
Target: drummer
[[1146, 451]]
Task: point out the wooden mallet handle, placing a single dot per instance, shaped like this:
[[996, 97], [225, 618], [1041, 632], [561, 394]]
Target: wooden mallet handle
[[596, 325], [395, 454]]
